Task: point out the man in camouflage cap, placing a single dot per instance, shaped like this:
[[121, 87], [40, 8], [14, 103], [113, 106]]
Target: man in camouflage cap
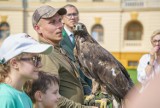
[[47, 23], [46, 11]]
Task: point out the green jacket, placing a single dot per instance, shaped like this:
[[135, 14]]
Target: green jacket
[[70, 86], [68, 46]]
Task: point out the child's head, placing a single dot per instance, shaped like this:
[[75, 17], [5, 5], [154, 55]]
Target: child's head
[[44, 90], [18, 49]]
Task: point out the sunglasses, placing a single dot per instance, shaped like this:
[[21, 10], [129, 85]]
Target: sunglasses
[[35, 59]]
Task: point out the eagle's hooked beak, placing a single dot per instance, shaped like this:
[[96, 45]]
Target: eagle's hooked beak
[[78, 27]]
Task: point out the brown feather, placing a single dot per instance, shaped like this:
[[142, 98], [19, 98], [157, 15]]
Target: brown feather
[[99, 64]]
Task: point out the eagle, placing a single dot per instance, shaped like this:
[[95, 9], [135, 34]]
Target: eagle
[[100, 65]]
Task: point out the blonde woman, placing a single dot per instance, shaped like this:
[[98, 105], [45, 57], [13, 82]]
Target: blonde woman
[[149, 64]]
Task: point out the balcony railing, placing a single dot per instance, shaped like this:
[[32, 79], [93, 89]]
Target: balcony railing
[[140, 3]]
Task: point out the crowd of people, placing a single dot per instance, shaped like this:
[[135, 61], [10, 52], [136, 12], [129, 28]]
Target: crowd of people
[[45, 74], [23, 64]]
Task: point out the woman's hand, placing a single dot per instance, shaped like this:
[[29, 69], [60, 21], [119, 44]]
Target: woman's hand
[[153, 51]]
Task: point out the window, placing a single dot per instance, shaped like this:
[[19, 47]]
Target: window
[[133, 63], [44, 1], [97, 0], [4, 30], [71, 0], [133, 31], [97, 32]]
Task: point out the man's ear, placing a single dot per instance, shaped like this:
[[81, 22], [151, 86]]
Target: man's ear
[[38, 96], [37, 28], [78, 19]]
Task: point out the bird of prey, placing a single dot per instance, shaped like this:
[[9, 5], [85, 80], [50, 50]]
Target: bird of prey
[[99, 64]]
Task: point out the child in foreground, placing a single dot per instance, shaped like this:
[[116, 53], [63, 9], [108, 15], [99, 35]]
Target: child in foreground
[[19, 62], [44, 91]]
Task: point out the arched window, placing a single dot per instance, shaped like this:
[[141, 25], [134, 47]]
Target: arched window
[[133, 31], [97, 32], [4, 30]]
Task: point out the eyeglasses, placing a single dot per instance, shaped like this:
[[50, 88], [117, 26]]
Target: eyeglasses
[[155, 41], [72, 14], [35, 59]]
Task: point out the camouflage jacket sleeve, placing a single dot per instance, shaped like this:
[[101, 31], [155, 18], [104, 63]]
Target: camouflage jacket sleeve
[[66, 103]]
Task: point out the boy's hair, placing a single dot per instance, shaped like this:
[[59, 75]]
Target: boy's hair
[[45, 79]]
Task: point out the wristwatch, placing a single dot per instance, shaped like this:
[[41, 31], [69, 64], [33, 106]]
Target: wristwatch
[[149, 63]]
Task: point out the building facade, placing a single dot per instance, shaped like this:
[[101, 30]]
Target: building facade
[[123, 27]]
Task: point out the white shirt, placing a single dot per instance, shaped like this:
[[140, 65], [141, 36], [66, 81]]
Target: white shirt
[[141, 75], [70, 34]]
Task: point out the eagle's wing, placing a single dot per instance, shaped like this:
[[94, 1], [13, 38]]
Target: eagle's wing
[[104, 68]]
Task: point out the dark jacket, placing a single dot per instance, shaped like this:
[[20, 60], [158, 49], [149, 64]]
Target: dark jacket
[[68, 46]]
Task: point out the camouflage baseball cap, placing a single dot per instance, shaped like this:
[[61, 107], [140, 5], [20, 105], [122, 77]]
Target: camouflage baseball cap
[[46, 11]]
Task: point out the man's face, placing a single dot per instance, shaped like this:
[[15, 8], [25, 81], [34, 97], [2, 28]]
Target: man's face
[[51, 28], [71, 17]]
